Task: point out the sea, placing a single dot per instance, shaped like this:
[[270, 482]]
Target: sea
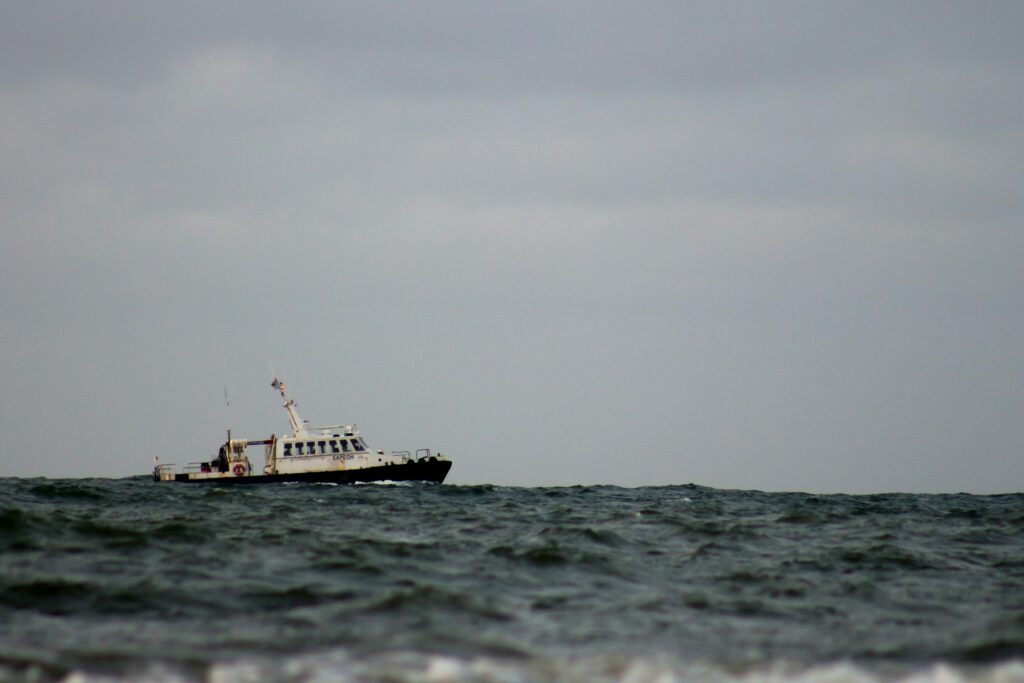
[[130, 580]]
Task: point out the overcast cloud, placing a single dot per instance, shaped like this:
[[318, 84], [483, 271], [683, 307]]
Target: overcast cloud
[[751, 245]]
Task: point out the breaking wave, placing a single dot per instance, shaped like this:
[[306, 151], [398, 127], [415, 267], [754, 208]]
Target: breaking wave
[[409, 667]]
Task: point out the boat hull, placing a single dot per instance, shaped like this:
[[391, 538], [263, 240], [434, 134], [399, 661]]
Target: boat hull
[[431, 471]]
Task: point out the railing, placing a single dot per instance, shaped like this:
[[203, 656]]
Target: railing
[[164, 472], [421, 454]]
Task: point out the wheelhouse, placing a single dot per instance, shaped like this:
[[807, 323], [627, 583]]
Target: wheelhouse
[[335, 444]]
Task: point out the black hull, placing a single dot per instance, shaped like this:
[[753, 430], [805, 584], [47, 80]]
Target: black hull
[[434, 472]]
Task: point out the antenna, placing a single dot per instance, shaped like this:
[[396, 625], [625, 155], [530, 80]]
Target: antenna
[[227, 403], [227, 408]]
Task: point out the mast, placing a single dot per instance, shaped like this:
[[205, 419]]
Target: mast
[[227, 408], [297, 423]]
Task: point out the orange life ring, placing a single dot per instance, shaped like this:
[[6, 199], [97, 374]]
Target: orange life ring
[[238, 469]]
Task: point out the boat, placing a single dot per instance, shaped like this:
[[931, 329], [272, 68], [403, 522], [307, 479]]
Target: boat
[[331, 454]]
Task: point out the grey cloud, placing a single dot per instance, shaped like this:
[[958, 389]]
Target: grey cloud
[[426, 47], [760, 246]]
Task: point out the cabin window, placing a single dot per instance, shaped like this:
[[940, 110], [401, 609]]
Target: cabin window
[[358, 444], [311, 448], [334, 446], [287, 449], [323, 446], [298, 449], [344, 445]]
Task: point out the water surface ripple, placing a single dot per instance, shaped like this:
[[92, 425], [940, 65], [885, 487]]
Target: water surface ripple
[[132, 580]]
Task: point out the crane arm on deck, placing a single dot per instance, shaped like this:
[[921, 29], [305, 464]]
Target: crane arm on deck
[[297, 423]]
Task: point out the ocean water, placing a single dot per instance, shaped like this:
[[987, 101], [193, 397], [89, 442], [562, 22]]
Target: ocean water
[[130, 580]]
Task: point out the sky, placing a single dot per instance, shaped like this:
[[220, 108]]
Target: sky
[[745, 245]]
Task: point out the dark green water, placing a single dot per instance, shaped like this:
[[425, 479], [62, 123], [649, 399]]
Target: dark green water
[[132, 580]]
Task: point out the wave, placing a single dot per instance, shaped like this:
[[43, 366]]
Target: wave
[[412, 667], [137, 581], [66, 490]]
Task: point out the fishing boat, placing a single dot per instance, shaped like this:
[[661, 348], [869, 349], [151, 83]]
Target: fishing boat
[[334, 454]]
